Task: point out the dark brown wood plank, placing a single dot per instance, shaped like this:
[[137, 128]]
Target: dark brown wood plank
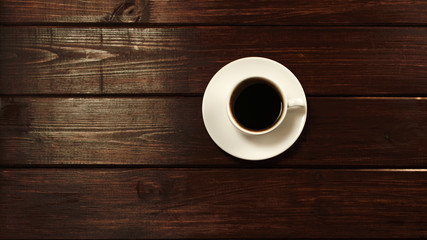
[[294, 12], [212, 203], [328, 61], [358, 132]]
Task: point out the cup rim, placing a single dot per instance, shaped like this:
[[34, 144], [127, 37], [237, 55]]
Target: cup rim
[[252, 132]]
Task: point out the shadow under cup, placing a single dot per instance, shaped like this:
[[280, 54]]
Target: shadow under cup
[[256, 105]]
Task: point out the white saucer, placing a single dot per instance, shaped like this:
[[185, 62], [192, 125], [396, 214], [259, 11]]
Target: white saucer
[[226, 135]]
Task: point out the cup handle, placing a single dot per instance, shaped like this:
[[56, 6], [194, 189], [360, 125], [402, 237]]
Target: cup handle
[[296, 102]]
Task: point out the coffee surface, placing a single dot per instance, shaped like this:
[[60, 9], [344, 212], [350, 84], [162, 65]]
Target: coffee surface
[[256, 104]]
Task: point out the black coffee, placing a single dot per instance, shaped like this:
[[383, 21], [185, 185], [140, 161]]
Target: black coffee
[[256, 104]]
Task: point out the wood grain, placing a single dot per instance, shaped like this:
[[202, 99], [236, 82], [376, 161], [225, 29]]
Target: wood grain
[[212, 203], [327, 61], [169, 131], [101, 132], [294, 12]]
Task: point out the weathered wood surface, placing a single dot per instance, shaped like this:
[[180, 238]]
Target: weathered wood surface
[[270, 12], [107, 97], [164, 131], [327, 61], [212, 203]]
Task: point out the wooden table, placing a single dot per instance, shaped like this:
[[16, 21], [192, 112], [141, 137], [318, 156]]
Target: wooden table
[[101, 133]]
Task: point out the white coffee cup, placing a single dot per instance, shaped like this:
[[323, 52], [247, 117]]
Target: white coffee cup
[[286, 105]]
